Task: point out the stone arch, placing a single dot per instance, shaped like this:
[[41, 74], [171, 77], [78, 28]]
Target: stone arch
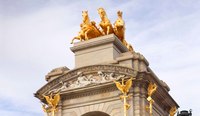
[[95, 113]]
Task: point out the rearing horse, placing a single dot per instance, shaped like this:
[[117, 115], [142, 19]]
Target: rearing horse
[[88, 29], [105, 22], [119, 29]]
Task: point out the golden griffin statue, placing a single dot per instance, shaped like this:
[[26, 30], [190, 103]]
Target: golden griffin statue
[[124, 88], [173, 111], [52, 103], [89, 29], [151, 89]]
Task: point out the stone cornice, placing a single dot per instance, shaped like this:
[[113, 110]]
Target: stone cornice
[[99, 41]]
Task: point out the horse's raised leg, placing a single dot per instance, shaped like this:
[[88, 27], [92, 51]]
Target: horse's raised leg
[[73, 40], [86, 35], [108, 30], [78, 38]]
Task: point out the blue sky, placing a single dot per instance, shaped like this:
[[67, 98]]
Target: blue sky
[[35, 37]]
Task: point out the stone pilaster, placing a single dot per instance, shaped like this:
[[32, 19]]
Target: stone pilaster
[[136, 99]]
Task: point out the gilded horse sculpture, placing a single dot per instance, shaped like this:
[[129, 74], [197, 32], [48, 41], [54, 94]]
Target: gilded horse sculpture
[[88, 29], [119, 29], [105, 22]]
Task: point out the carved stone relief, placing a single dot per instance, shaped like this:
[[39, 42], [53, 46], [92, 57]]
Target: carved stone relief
[[86, 76], [86, 80]]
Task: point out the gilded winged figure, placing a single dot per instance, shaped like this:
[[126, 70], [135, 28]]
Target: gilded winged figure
[[151, 88], [52, 100], [124, 88]]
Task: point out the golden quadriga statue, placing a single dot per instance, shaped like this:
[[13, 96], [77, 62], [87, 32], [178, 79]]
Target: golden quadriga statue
[[89, 29]]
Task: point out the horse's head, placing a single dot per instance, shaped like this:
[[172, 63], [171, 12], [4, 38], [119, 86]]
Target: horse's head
[[119, 24], [119, 14], [85, 16], [101, 12]]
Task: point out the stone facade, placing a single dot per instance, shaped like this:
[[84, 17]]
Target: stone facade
[[88, 89]]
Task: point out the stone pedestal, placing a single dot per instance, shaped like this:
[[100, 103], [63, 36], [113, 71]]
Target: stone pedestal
[[99, 50]]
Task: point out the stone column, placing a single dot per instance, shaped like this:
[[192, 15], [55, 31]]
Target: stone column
[[143, 100], [131, 102], [59, 113], [136, 65], [136, 99]]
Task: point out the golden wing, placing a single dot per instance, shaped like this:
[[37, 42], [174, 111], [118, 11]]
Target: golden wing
[[47, 99], [56, 100], [128, 85], [119, 86]]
